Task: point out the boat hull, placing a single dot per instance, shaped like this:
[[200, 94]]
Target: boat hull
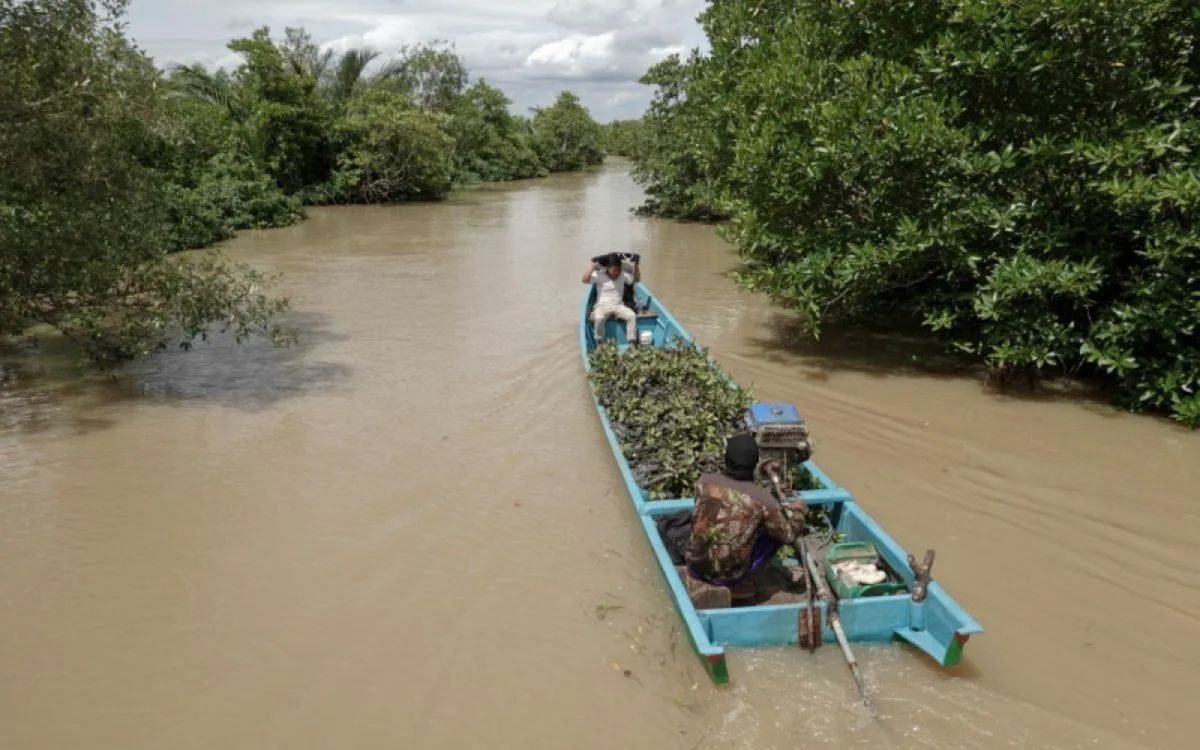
[[937, 626]]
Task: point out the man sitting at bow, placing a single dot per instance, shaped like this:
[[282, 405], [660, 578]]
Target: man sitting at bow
[[611, 279]]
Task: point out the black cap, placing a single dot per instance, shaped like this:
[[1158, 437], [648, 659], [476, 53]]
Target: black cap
[[741, 456]]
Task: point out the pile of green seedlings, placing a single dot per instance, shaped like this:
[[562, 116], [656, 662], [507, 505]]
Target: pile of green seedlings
[[672, 409]]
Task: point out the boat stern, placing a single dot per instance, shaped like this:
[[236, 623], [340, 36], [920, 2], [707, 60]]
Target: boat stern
[[939, 627]]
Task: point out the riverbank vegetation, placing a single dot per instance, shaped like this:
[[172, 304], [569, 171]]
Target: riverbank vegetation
[[1022, 178], [621, 137], [112, 163]]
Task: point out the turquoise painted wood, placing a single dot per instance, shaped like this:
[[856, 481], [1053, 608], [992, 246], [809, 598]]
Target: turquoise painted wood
[[938, 626]]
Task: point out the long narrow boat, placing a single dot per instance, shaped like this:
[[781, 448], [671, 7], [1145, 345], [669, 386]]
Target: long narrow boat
[[935, 624]]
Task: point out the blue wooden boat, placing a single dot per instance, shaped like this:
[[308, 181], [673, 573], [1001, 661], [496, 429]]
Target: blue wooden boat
[[936, 625]]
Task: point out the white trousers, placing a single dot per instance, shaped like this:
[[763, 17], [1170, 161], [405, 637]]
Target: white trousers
[[602, 312]]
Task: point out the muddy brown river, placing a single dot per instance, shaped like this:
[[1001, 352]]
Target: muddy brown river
[[408, 531]]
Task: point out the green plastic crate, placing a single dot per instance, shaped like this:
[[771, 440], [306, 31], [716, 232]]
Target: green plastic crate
[[864, 552]]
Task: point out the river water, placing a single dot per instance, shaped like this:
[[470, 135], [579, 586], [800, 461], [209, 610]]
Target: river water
[[407, 531]]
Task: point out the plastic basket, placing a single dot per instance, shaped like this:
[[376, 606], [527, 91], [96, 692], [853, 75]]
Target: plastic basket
[[861, 552]]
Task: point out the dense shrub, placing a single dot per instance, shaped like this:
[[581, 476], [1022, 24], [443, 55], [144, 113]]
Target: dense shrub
[[565, 136], [392, 151], [211, 183], [226, 197], [289, 125], [431, 75], [621, 137], [489, 143], [1020, 177], [679, 162], [83, 236]]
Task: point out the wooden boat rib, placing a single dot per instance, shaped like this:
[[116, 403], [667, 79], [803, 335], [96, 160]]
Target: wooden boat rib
[[938, 626]]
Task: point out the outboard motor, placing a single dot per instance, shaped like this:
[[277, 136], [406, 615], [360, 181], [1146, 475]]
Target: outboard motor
[[782, 436]]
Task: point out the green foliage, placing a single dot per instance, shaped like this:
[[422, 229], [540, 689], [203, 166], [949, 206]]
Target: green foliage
[[680, 160], [392, 151], [305, 116], [109, 166], [621, 137], [565, 136], [803, 479], [289, 124], [336, 76], [1021, 177], [489, 143], [211, 186], [82, 232], [303, 56], [672, 410], [168, 301], [227, 196], [346, 76], [431, 75], [198, 84]]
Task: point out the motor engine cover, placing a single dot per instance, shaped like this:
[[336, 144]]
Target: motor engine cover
[[781, 433]]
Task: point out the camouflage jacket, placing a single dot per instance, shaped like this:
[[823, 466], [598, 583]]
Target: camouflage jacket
[[729, 520]]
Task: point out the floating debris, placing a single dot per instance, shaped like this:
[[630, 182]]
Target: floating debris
[[602, 610]]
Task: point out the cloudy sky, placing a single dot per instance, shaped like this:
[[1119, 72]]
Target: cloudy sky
[[529, 48]]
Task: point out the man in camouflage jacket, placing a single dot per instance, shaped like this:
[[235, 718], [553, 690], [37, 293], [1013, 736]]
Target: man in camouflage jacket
[[737, 525]]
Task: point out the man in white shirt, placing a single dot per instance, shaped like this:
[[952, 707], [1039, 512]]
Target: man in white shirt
[[610, 280]]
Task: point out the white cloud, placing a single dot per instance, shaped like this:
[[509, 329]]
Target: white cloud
[[598, 48], [574, 57], [661, 52]]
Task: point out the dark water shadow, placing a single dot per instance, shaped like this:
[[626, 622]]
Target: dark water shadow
[[881, 352], [907, 351], [252, 375], [42, 386], [45, 385]]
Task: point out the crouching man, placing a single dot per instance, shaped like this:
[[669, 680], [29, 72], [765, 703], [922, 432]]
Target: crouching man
[[736, 529], [610, 280]]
